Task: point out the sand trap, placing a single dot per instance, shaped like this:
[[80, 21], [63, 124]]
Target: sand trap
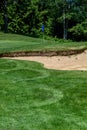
[[74, 62]]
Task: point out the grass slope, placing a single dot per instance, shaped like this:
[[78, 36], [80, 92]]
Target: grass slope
[[35, 98], [13, 43]]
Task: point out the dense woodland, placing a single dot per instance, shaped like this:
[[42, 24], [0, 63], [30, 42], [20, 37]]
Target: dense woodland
[[62, 18]]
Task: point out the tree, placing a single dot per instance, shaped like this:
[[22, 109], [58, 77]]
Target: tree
[[61, 17]]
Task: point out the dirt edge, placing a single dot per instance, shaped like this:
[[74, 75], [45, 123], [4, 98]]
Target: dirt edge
[[42, 53]]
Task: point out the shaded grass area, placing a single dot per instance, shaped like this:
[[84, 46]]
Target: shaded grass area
[[13, 43], [35, 98]]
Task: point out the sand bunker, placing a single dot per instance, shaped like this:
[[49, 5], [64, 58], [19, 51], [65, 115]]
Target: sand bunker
[[73, 62]]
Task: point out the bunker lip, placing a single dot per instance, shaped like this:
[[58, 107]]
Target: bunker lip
[[43, 53], [69, 62]]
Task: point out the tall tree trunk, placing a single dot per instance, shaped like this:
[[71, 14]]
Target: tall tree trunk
[[64, 25], [5, 17]]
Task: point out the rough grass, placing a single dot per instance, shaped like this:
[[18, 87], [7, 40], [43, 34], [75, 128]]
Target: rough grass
[[13, 43], [35, 98]]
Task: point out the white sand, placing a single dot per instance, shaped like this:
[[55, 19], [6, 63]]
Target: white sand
[[74, 62]]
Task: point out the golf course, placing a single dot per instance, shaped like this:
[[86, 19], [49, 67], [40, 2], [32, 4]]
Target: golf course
[[38, 97]]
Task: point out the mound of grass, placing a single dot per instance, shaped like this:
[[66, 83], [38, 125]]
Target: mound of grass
[[35, 98], [13, 43]]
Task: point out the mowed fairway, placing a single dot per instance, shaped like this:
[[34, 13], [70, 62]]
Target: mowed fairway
[[35, 98]]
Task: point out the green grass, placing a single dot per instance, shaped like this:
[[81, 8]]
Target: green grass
[[35, 98], [13, 43]]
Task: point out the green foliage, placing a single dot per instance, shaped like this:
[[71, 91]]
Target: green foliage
[[79, 32], [27, 16]]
